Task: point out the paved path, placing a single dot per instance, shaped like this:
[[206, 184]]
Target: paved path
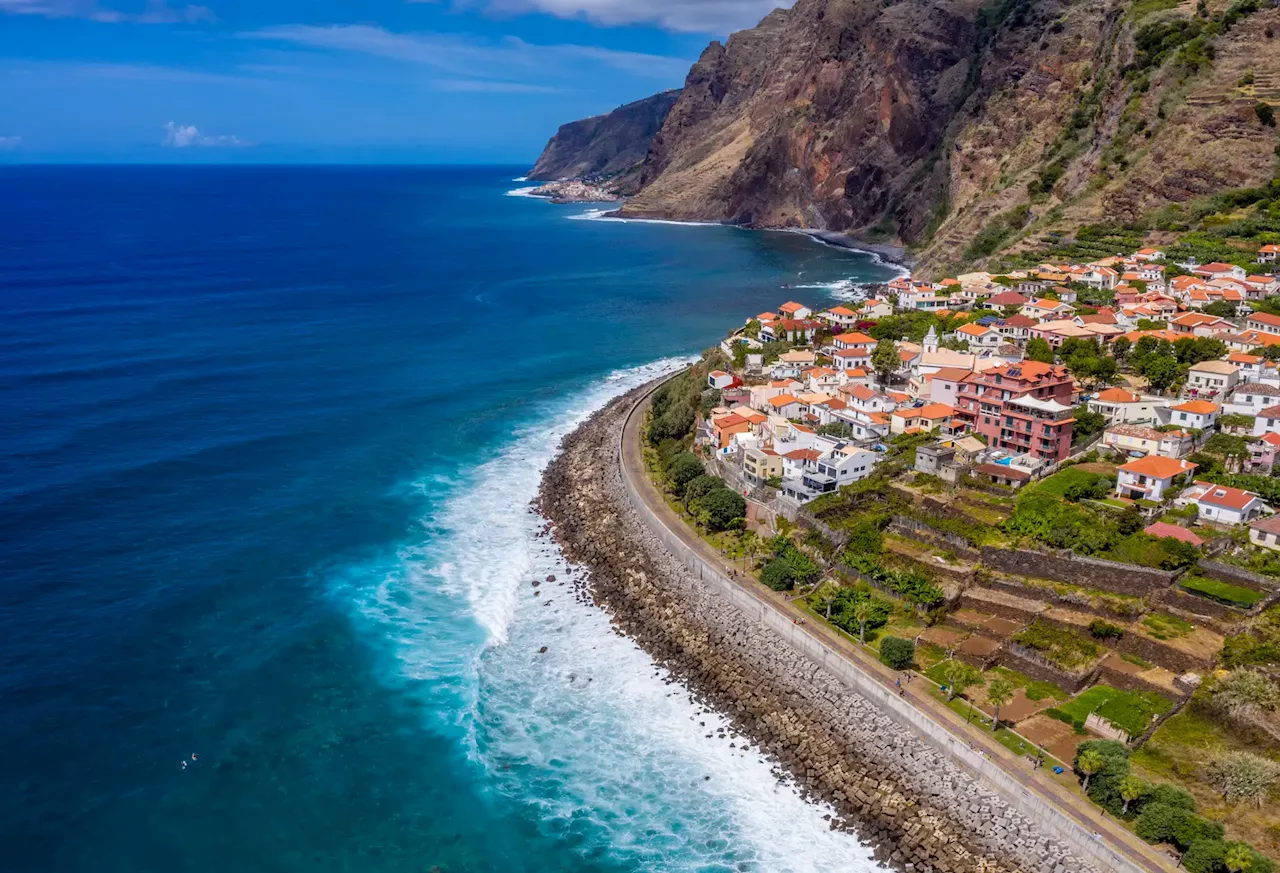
[[1078, 808]]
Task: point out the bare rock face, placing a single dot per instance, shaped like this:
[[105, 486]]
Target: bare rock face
[[609, 146], [927, 122]]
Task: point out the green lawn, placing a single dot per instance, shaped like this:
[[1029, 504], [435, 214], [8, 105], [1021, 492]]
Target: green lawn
[[1222, 592], [1167, 627], [1060, 482], [1128, 710]]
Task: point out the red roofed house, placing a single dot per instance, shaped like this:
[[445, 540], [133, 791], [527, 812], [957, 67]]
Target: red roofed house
[[1150, 477], [1224, 505], [1263, 321], [1220, 271], [1200, 414], [920, 419], [791, 309], [726, 426], [1119, 406], [979, 337], [841, 317], [853, 340], [1017, 327], [1197, 324], [1268, 254], [1007, 298], [988, 401], [720, 379]]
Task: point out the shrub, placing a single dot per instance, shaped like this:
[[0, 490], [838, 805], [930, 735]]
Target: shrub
[[1265, 113], [1205, 856], [1161, 823], [1172, 795], [1104, 784], [779, 575], [1243, 777], [721, 508], [896, 652], [1102, 630]]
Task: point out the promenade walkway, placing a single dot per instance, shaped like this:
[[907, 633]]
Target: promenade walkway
[[1124, 850]]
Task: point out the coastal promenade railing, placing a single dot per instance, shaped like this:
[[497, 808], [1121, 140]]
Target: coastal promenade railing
[[1048, 804]]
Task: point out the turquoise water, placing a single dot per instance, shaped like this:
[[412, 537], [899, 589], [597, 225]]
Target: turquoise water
[[270, 439]]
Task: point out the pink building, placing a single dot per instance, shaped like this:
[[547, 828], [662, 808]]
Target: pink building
[[1023, 408]]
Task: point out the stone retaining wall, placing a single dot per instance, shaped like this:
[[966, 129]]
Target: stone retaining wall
[[1089, 572], [917, 530], [1131, 682], [1194, 608], [1027, 662], [1234, 575]]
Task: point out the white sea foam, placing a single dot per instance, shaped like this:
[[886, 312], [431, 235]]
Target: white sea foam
[[604, 215], [524, 192], [585, 736], [520, 179]]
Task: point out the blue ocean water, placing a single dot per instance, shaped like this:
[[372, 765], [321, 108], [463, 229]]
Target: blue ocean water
[[268, 441]]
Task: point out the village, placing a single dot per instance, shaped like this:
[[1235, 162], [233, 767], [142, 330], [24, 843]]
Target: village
[[1050, 493]]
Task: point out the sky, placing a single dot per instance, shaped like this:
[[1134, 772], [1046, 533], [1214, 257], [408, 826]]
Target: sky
[[441, 81]]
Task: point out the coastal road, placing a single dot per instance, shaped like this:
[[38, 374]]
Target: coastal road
[[1091, 818]]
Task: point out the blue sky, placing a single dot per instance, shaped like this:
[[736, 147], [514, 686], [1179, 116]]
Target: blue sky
[[298, 80]]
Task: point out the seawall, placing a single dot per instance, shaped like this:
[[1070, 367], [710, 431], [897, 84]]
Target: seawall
[[903, 782]]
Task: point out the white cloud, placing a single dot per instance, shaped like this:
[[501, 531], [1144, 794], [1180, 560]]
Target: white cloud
[[696, 16], [156, 11], [10, 143], [470, 58], [186, 136]]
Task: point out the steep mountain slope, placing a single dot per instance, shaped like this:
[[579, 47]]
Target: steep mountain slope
[[968, 127], [607, 145]]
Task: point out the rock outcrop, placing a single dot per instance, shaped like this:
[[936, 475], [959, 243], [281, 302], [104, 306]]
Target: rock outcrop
[[931, 122], [605, 147], [915, 807]]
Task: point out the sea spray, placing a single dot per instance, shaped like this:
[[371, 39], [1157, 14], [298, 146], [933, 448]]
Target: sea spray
[[566, 718]]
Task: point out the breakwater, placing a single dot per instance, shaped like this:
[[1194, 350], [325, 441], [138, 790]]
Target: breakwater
[[909, 800]]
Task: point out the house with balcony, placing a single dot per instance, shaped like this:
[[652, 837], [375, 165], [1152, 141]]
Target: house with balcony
[[1151, 477], [1195, 324], [1218, 270], [840, 318], [791, 309], [921, 419], [1250, 367], [1043, 431], [1263, 451], [1269, 254], [1212, 378]]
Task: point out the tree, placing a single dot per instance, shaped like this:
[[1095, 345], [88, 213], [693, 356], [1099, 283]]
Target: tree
[[1132, 788], [703, 484], [1038, 349], [1087, 423], [1220, 308], [685, 467], [722, 509], [896, 652], [863, 612], [884, 359], [1242, 776], [1161, 372], [999, 693], [959, 676], [1089, 762], [1120, 348], [1239, 858], [1265, 113]]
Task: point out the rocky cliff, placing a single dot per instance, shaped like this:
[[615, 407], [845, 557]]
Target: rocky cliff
[[963, 128], [610, 146]]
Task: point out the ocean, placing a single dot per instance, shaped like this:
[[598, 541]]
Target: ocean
[[268, 443]]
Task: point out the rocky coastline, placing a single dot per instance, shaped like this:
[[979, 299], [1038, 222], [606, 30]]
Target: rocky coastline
[[914, 807]]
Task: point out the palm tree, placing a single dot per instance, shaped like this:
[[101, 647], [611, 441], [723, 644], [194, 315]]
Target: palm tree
[[1131, 788], [959, 676], [1239, 858], [862, 613], [1000, 693], [1089, 763]]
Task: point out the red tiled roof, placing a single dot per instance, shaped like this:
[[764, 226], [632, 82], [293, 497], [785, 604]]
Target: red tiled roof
[[1158, 466], [1224, 496]]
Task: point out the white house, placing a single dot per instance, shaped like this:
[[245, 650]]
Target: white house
[[1263, 321], [791, 309], [720, 379], [874, 309], [944, 385], [1224, 505], [851, 359], [1045, 309], [853, 340], [1148, 255], [1119, 406], [1199, 414], [1220, 271], [841, 317], [1150, 477], [979, 337], [846, 463], [1250, 398], [1212, 378], [1250, 367], [1268, 254], [1265, 532], [791, 364], [1268, 421]]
